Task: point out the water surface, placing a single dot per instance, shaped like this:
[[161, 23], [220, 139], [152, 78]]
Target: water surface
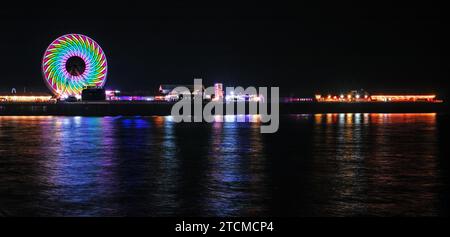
[[316, 165]]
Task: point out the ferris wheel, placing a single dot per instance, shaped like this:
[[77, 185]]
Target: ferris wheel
[[73, 62]]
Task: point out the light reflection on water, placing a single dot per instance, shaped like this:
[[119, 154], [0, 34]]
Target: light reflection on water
[[316, 165]]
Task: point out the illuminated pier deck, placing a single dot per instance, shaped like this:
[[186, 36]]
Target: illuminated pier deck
[[115, 108]]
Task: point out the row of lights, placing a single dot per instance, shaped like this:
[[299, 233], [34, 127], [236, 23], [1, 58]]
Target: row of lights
[[342, 97]]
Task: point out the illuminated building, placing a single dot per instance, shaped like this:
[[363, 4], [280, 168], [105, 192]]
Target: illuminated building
[[26, 97], [218, 91], [112, 94], [403, 98], [363, 96], [243, 97], [134, 98], [116, 95], [171, 95], [71, 63]]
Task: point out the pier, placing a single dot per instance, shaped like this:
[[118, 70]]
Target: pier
[[135, 108]]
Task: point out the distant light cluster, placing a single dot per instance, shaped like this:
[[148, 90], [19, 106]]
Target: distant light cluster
[[362, 96]]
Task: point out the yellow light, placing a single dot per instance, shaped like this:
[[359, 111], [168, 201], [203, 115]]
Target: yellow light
[[19, 98], [403, 97]]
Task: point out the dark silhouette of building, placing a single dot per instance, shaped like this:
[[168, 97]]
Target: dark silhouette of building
[[93, 94]]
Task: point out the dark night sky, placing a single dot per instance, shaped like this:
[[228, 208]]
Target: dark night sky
[[300, 48]]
